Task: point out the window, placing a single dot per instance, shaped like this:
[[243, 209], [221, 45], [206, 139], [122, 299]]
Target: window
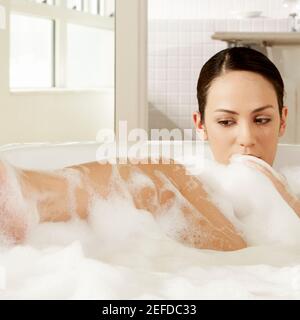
[[95, 7], [75, 4], [50, 2], [31, 52], [61, 44], [98, 7], [89, 57]]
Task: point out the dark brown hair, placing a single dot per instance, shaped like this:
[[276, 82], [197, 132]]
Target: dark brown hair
[[237, 58]]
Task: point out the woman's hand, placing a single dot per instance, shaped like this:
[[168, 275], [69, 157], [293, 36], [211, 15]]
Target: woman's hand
[[280, 186]]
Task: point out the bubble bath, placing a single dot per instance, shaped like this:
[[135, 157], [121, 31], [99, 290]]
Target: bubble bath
[[122, 252]]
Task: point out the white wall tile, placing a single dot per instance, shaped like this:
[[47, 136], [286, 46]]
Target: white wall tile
[[184, 38], [213, 9], [208, 25], [172, 74], [245, 25], [184, 74], [197, 50], [221, 25], [184, 25], [184, 62], [161, 75], [257, 25], [184, 99]]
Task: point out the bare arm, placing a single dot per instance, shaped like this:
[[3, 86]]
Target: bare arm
[[281, 186], [208, 228]]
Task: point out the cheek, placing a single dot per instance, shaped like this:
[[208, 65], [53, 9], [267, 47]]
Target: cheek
[[220, 135], [270, 133], [220, 140]]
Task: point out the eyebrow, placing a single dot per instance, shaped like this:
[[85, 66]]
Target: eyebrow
[[255, 110]]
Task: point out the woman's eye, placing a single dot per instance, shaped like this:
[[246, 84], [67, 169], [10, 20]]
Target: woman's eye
[[226, 123], [262, 120]]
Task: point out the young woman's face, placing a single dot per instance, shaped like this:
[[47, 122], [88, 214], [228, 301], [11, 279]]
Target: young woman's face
[[242, 116]]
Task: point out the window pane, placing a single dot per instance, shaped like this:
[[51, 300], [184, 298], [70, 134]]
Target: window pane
[[75, 4], [98, 6], [109, 8], [94, 6], [45, 1], [90, 57], [31, 52]]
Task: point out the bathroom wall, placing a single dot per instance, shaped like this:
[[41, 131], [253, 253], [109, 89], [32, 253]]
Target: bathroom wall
[[213, 9], [179, 44]]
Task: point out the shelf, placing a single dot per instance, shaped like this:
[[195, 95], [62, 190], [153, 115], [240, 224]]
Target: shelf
[[259, 38]]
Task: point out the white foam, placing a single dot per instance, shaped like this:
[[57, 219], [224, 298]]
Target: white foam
[[124, 253], [74, 181], [13, 208], [252, 203]]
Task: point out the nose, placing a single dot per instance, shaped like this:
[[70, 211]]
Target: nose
[[246, 136]]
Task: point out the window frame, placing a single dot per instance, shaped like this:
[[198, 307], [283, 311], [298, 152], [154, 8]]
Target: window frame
[[61, 15]]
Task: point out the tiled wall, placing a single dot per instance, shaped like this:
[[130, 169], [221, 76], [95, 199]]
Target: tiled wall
[[177, 49], [213, 9]]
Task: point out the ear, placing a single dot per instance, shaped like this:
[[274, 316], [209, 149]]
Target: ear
[[198, 124], [283, 121]]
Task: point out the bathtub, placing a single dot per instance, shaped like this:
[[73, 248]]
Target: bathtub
[[52, 156], [68, 261]]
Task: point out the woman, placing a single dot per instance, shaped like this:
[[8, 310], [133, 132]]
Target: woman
[[240, 95]]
